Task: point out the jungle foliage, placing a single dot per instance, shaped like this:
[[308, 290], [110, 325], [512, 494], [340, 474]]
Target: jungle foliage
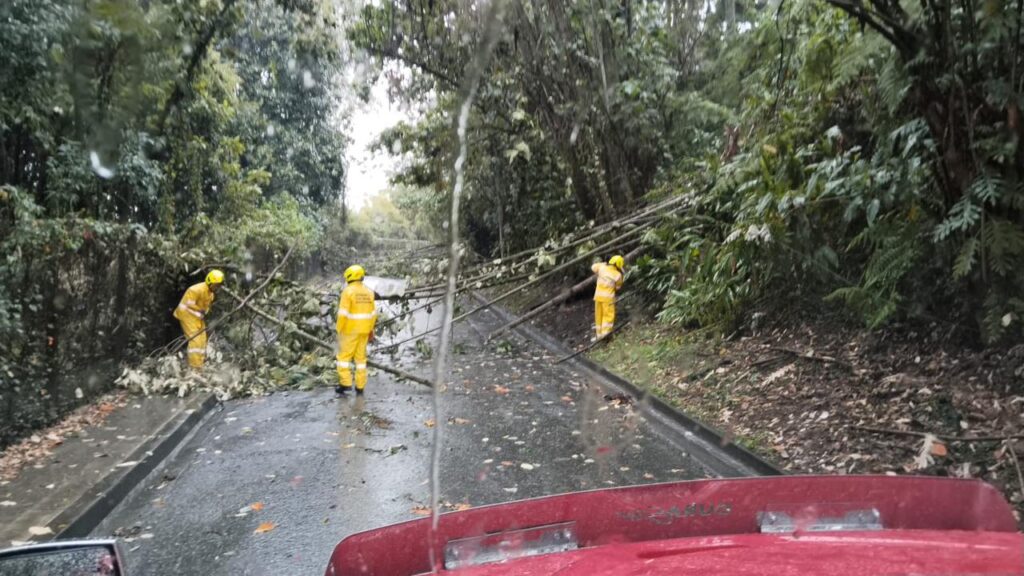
[[862, 156], [140, 141]]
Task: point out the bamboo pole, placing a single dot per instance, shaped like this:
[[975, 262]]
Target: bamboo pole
[[323, 344], [178, 343], [593, 344], [542, 277], [562, 297], [591, 234]]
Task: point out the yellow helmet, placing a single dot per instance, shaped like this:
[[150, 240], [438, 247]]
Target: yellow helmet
[[617, 261], [354, 273], [214, 277]]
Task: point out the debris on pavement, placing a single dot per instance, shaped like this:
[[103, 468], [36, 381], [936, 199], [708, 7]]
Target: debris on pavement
[[30, 451]]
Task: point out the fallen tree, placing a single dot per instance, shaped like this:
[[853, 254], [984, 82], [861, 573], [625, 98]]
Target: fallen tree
[[629, 236], [323, 344], [563, 296]]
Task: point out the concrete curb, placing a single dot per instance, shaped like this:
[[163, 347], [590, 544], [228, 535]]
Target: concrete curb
[[732, 458], [80, 518]]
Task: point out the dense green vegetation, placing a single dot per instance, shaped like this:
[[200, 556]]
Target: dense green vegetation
[[139, 141], [860, 155]]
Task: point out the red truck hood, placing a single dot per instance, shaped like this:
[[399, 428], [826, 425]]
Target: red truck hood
[[783, 525]]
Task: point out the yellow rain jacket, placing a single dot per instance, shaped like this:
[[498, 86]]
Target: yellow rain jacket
[[357, 315], [357, 310], [609, 279], [190, 313]]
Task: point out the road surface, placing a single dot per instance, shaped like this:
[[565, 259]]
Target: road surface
[[268, 486]]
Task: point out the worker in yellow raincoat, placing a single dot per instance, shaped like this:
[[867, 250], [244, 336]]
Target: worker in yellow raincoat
[[357, 315], [191, 312], [609, 279]]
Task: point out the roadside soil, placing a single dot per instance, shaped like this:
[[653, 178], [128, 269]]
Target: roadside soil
[[803, 394]]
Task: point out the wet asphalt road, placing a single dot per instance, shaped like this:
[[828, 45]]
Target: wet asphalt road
[[516, 426]]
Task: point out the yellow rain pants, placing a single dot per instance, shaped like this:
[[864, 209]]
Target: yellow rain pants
[[604, 318]]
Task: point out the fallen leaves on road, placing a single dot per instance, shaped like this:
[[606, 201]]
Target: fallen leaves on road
[[40, 445], [500, 390], [619, 399], [264, 527], [256, 506], [370, 420], [421, 510], [430, 423], [459, 421]]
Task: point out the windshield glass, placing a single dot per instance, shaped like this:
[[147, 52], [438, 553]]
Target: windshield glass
[[278, 272]]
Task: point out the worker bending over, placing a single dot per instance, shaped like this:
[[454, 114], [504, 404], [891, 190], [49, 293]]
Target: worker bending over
[[357, 315], [191, 312], [609, 279]]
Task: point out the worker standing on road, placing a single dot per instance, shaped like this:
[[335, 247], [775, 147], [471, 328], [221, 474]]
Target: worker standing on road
[[609, 279], [357, 315], [191, 312]]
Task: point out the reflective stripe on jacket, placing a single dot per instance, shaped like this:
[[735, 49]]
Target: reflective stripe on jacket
[[357, 310], [609, 279], [196, 301]]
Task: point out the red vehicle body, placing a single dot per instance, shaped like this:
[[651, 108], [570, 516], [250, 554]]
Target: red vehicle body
[[799, 525]]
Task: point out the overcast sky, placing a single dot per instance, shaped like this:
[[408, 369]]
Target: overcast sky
[[368, 171]]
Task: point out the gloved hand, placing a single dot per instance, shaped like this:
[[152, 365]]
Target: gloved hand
[[372, 337]]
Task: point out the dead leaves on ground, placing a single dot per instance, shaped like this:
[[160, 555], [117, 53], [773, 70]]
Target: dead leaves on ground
[[619, 399], [264, 527], [370, 421], [421, 510], [30, 451]]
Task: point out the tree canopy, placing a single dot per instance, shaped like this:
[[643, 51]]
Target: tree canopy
[[866, 153]]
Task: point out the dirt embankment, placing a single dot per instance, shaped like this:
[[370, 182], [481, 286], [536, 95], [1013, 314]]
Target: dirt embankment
[[817, 397]]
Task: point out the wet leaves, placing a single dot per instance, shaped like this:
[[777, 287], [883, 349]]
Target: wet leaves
[[33, 450], [501, 390], [264, 527], [421, 510], [256, 506], [371, 421], [619, 399]]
